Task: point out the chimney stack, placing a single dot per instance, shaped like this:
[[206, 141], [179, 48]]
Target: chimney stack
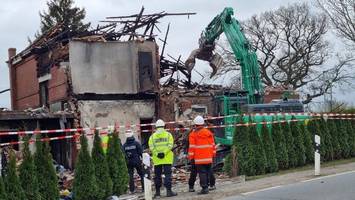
[[12, 73]]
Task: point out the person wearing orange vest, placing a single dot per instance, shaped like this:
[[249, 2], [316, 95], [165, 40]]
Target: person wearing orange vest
[[202, 150]]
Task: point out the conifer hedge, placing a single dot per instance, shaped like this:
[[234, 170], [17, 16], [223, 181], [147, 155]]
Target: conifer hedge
[[290, 144]]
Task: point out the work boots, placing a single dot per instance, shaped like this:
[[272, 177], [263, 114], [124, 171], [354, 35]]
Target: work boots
[[203, 191], [212, 188], [170, 193], [191, 189], [157, 194]]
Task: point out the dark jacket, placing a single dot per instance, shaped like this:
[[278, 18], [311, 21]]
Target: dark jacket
[[133, 151]]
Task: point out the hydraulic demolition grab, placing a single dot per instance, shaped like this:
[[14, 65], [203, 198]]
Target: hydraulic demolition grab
[[227, 24]]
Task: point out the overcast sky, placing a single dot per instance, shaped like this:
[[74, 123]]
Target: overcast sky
[[19, 19]]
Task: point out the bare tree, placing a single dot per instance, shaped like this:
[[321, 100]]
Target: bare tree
[[342, 15], [230, 63], [292, 50]]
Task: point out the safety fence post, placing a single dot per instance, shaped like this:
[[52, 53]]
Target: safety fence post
[[147, 182], [317, 155]]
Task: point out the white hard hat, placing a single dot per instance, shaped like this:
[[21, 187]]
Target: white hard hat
[[159, 123], [129, 133], [199, 120]]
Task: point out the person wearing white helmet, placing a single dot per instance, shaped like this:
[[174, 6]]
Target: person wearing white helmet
[[133, 151], [161, 143], [201, 152]]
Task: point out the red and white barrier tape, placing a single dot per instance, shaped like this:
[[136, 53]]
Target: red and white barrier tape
[[21, 133], [173, 129]]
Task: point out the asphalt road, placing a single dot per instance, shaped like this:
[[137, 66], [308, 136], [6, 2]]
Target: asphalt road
[[334, 187]]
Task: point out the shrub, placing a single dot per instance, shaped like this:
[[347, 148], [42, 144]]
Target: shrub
[[13, 187], [280, 146], [298, 143], [259, 152], [27, 174], [292, 158], [334, 133], [307, 143], [343, 138], [351, 133], [245, 152], [46, 175], [102, 174], [117, 165], [85, 186], [326, 140], [271, 162], [3, 195]]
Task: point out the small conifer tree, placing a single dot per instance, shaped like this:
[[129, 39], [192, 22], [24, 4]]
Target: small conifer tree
[[298, 143], [351, 134], [334, 132], [246, 162], [271, 162], [290, 144], [343, 138], [307, 142], [117, 165], [46, 175], [259, 152], [27, 174], [85, 187], [13, 187], [326, 140], [102, 174], [3, 195], [280, 146]]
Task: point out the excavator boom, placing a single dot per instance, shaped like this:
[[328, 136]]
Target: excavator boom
[[227, 24]]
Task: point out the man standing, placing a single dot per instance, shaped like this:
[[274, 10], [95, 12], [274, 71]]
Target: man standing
[[161, 144], [193, 172], [133, 151], [202, 150]]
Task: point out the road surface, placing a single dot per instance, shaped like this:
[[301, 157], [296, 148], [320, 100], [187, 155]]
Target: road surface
[[333, 187]]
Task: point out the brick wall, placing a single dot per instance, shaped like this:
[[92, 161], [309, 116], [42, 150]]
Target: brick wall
[[57, 85], [27, 87]]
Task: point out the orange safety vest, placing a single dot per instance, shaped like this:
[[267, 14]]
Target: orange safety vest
[[202, 148]]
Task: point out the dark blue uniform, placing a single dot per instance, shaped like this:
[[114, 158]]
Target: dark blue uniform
[[134, 151]]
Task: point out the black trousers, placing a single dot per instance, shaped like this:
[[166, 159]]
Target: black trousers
[[158, 171], [211, 180], [140, 171], [204, 172]]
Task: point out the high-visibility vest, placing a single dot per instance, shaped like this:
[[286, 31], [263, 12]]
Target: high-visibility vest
[[104, 143], [161, 142], [202, 148]]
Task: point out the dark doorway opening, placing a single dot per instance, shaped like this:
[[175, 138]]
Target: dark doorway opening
[[146, 131]]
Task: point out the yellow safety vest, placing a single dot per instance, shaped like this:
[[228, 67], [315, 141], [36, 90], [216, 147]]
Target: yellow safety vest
[[104, 143], [162, 142]]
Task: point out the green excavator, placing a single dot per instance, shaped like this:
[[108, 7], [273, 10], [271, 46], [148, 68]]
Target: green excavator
[[250, 98]]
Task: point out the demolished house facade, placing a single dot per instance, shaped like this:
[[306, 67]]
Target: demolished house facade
[[100, 82], [111, 75], [96, 77]]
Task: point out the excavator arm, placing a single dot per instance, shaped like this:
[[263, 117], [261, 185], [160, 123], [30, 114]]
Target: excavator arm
[[227, 24]]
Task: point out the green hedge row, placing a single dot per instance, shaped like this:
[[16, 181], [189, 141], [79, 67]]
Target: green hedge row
[[288, 145], [97, 176]]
